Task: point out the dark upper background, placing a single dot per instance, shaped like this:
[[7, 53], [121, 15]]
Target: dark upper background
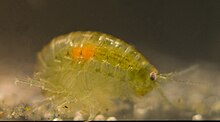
[[188, 30]]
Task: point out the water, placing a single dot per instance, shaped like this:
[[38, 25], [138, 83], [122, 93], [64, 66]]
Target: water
[[173, 35]]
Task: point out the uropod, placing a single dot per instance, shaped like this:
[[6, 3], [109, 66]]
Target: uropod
[[88, 71]]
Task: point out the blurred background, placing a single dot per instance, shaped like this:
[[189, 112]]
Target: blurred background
[[173, 35]]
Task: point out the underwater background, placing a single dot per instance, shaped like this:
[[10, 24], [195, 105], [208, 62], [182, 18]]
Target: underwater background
[[175, 36]]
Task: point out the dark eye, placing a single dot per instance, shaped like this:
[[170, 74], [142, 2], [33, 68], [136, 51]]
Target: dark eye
[[153, 76]]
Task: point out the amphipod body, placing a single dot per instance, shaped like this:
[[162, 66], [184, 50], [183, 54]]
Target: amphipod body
[[93, 69]]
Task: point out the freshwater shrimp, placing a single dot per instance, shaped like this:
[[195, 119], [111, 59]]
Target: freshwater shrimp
[[88, 71]]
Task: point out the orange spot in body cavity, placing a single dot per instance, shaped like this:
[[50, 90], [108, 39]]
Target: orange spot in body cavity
[[85, 52], [88, 51], [76, 52]]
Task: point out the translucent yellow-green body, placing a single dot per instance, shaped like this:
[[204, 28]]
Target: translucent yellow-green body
[[93, 77]]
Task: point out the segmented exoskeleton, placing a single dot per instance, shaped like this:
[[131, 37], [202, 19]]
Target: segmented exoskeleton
[[88, 70]]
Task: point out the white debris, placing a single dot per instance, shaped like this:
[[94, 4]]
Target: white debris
[[140, 111], [99, 117], [57, 119], [111, 119], [197, 117], [78, 117]]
